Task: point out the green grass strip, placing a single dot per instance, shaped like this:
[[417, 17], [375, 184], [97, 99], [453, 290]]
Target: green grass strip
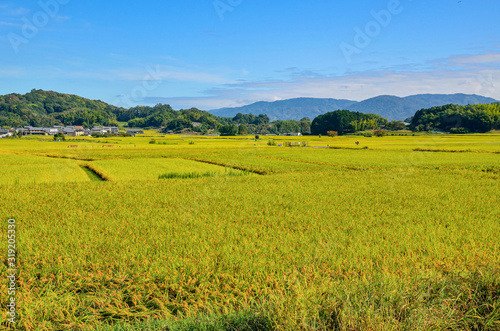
[[242, 321], [185, 175], [93, 176]]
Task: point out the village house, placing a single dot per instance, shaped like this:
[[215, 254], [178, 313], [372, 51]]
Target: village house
[[51, 131], [74, 131], [97, 129], [111, 129], [104, 130], [4, 133], [31, 130], [133, 132]]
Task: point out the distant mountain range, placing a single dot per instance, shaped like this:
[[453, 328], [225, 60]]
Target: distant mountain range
[[388, 106]]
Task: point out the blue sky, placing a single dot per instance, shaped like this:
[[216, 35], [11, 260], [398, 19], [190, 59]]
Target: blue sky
[[221, 53]]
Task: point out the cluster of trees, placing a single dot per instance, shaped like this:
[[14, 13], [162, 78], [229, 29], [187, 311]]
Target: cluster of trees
[[48, 108], [345, 121], [277, 127], [395, 126], [303, 126], [251, 119], [458, 119], [163, 116]]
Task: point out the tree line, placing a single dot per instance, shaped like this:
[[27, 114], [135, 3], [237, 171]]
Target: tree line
[[458, 119], [48, 108]]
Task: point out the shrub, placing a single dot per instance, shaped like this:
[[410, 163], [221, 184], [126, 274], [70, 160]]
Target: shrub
[[332, 133], [459, 130], [379, 133]]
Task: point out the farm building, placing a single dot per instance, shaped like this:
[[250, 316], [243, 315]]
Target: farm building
[[110, 129], [74, 131], [30, 130], [133, 132], [4, 133], [97, 129]]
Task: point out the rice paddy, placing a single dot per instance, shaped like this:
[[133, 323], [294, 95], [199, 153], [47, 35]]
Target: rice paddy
[[239, 235]]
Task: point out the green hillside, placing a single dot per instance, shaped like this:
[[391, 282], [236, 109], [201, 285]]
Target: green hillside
[[458, 119], [388, 106], [47, 108]]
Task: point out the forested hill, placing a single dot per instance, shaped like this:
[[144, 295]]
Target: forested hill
[[48, 108], [291, 109], [390, 107], [458, 119]]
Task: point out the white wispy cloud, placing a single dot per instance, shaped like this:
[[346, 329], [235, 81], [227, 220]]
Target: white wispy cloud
[[489, 58], [124, 74], [157, 72], [470, 74], [3, 23]]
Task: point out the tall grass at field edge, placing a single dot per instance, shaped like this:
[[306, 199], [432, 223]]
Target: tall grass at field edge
[[241, 321], [186, 175]]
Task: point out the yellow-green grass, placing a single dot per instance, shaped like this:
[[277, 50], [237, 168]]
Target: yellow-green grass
[[280, 160], [385, 239], [90, 146], [472, 142], [151, 168], [284, 242], [29, 169]]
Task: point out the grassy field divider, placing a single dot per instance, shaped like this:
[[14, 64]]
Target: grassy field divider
[[343, 147], [257, 171], [452, 151], [57, 156], [92, 172], [230, 173]]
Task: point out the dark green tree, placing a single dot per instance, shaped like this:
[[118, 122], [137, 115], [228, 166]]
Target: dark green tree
[[229, 130], [345, 121], [59, 136]]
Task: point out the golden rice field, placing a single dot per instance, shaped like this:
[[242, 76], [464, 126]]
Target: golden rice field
[[398, 233]]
